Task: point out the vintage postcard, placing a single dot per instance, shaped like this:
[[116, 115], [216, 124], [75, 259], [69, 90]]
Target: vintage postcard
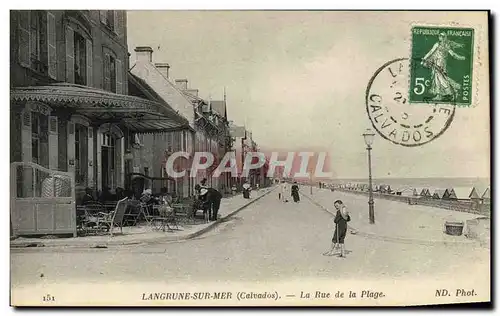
[[249, 158]]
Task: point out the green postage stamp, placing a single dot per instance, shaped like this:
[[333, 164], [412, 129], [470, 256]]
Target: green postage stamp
[[441, 65]]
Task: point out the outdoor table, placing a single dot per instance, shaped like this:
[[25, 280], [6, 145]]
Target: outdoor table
[[166, 216]]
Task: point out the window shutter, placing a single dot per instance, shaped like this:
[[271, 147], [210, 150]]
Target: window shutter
[[53, 143], [70, 55], [24, 38], [107, 66], [116, 16], [34, 27], [53, 124], [43, 21], [71, 128], [90, 157], [103, 15], [51, 45], [89, 56], [119, 74], [27, 119], [71, 146]]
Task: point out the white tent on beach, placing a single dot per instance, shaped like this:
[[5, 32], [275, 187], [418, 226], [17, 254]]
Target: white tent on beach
[[438, 194], [420, 191], [486, 196], [426, 192]]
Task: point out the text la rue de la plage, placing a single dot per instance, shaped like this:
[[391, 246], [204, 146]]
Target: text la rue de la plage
[[267, 295]]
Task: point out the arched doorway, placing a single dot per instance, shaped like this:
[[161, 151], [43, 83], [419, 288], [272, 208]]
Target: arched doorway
[[110, 158]]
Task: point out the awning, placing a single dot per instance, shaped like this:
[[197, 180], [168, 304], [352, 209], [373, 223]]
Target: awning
[[136, 114]]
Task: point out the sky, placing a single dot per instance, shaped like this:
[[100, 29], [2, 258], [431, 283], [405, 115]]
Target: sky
[[297, 80]]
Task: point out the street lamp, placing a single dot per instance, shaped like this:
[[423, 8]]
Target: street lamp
[[369, 135], [311, 180]]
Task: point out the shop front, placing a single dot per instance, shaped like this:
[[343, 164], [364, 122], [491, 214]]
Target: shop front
[[80, 130]]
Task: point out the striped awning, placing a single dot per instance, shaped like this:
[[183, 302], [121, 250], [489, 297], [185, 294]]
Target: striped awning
[[137, 114]]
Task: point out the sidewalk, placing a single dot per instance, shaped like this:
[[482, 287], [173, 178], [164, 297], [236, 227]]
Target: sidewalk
[[396, 221], [137, 235]]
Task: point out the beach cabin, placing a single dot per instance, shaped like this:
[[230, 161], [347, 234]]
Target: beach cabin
[[438, 194], [485, 197], [425, 192], [404, 191], [463, 193]]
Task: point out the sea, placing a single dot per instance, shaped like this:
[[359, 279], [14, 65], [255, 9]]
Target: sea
[[437, 183]]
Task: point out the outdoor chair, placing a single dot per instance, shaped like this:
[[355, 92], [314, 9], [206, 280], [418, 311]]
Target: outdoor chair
[[132, 213], [114, 218], [89, 215]]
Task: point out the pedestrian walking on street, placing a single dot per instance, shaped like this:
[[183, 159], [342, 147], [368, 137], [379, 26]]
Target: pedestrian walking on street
[[283, 192], [341, 219], [246, 190], [295, 192]]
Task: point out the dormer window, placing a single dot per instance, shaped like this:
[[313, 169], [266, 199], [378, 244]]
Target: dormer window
[[108, 18]]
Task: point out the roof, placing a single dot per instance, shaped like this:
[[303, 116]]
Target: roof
[[152, 95], [144, 87], [219, 107], [403, 189], [137, 114]]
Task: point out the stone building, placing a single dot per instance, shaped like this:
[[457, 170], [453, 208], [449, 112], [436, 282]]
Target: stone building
[[206, 129], [69, 105]]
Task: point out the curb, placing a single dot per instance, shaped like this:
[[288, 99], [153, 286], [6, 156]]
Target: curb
[[401, 240], [151, 240]]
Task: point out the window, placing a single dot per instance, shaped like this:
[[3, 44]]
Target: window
[[108, 18], [35, 137], [37, 36], [110, 73], [80, 50]]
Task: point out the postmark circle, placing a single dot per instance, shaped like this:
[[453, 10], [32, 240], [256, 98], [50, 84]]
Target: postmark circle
[[394, 117]]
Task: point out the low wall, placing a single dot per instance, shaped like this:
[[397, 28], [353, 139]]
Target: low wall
[[461, 206]]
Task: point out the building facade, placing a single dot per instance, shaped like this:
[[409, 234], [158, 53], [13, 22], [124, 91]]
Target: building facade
[[69, 105], [207, 129]]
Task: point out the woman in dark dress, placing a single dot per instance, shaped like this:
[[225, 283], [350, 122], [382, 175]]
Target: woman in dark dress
[[341, 219], [295, 192]]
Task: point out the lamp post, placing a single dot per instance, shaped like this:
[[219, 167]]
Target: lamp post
[[311, 180], [368, 136]]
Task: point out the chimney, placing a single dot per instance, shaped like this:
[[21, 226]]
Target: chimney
[[144, 53], [181, 84], [164, 68]]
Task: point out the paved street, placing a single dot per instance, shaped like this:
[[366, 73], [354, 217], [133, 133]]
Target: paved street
[[268, 240]]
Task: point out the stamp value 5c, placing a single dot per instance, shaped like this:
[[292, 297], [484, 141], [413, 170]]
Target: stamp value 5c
[[441, 70]]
